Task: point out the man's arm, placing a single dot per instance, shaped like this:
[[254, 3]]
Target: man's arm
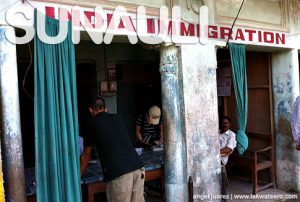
[[138, 127], [85, 158], [225, 151], [138, 133], [231, 144]]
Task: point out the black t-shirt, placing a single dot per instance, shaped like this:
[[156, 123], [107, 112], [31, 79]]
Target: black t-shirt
[[117, 154]]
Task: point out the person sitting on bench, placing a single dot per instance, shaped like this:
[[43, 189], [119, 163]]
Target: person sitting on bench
[[227, 145], [227, 139]]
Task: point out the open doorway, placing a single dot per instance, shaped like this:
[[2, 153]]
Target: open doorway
[[86, 88], [26, 94], [138, 89], [260, 125], [86, 80]]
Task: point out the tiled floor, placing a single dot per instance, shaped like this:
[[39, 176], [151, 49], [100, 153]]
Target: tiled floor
[[237, 187]]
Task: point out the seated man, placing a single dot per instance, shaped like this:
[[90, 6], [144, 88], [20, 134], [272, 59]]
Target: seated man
[[149, 127], [227, 145], [227, 139]]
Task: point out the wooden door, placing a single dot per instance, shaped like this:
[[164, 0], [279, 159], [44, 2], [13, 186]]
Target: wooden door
[[260, 105]]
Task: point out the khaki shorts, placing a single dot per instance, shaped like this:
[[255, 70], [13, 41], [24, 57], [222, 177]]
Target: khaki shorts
[[127, 188]]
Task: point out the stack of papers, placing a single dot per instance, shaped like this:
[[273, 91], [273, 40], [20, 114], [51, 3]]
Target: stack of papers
[[156, 148]]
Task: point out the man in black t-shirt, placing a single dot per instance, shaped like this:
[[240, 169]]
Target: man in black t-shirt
[[122, 169]]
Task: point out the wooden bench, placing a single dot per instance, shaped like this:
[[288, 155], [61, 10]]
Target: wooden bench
[[259, 156]]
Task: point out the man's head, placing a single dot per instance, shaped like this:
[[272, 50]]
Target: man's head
[[154, 115], [226, 123], [97, 105]]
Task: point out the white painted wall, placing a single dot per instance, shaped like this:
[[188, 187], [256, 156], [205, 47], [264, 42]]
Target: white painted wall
[[272, 15], [153, 3], [198, 66], [285, 75]]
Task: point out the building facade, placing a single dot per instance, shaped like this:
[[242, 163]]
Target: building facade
[[188, 71]]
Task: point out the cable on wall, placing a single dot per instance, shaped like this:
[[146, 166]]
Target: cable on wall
[[234, 22], [26, 73]]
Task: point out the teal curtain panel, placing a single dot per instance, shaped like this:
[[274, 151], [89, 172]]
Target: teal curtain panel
[[239, 74], [56, 119]]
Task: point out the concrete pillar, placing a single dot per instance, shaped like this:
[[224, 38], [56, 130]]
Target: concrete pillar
[[285, 76], [10, 120], [175, 148], [198, 64]]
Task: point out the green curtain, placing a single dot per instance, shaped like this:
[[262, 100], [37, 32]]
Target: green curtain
[[238, 60], [56, 119]]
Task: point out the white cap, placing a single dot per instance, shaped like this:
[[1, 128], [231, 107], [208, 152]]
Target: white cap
[[154, 115]]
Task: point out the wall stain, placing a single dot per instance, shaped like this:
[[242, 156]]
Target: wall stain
[[283, 84], [2, 34], [284, 138], [284, 127], [284, 180], [211, 71], [3, 41], [282, 109]]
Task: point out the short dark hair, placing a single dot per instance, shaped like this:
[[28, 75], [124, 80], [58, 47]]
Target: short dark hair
[[227, 118], [98, 104]]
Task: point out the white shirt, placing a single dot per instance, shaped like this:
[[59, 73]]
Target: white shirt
[[227, 139], [295, 122]]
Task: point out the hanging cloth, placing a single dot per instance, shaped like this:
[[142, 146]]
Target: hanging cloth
[[238, 60], [56, 119]]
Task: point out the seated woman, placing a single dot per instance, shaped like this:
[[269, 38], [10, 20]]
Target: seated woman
[[149, 127]]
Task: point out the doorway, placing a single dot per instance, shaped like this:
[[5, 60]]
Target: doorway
[[86, 90], [260, 123], [138, 89]]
